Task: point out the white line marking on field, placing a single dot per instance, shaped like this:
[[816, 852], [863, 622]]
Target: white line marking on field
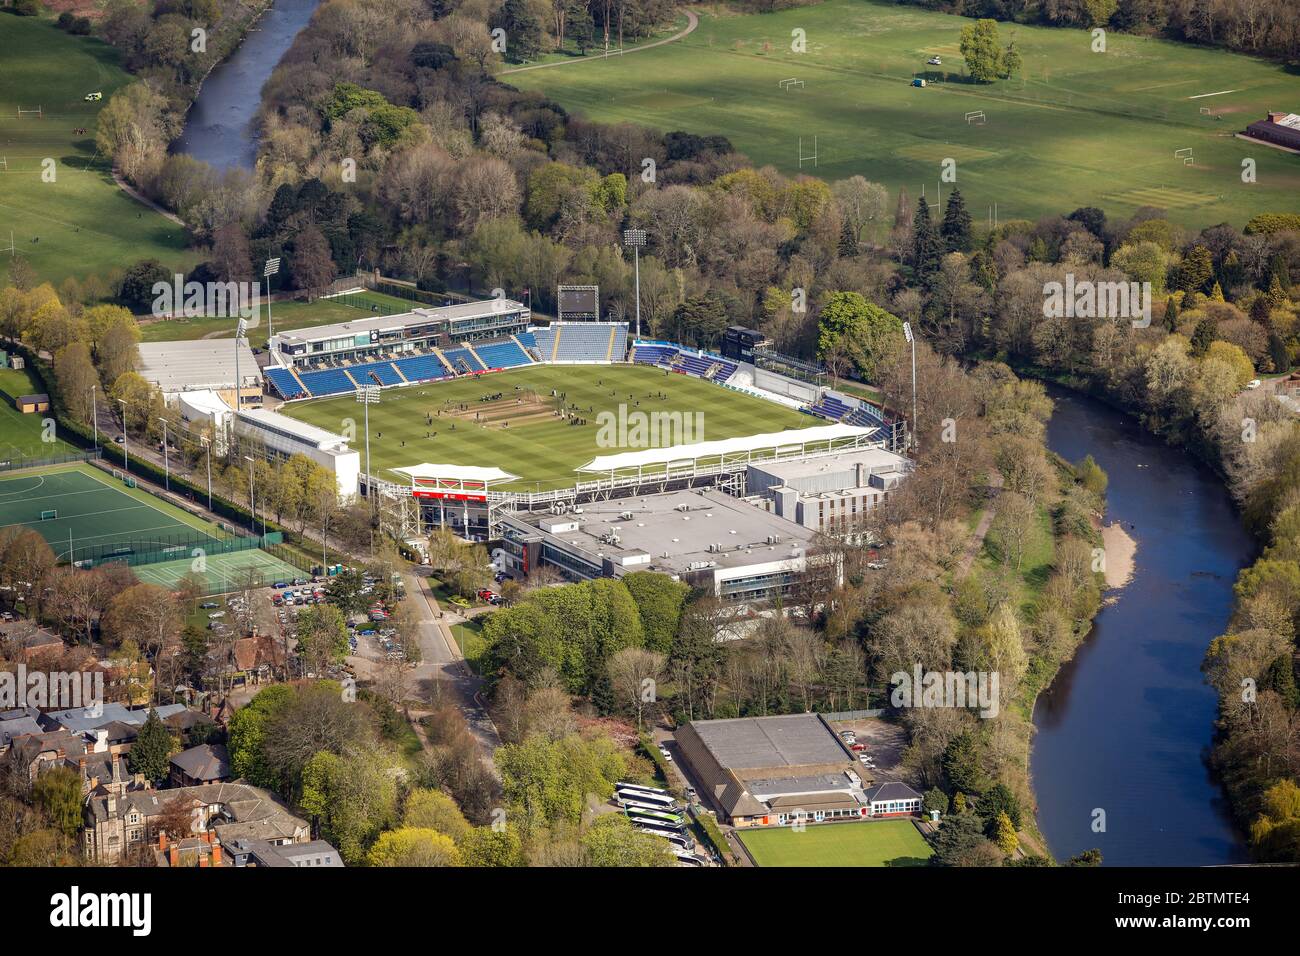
[[1201, 96]]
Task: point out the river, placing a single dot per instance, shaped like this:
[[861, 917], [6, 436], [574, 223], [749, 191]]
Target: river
[[1124, 727], [219, 126]]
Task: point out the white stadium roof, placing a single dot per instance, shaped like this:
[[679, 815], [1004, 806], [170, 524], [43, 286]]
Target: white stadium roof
[[201, 364], [790, 438], [431, 471]]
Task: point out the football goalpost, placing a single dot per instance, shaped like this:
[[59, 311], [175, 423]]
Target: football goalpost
[[812, 157], [791, 83], [36, 112], [1185, 154], [977, 117]]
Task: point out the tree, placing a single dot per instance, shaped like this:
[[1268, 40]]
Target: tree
[[151, 752], [435, 810], [353, 799], [927, 246], [413, 846], [1203, 336], [322, 636], [862, 330], [1005, 835], [611, 840], [493, 846], [523, 30], [57, 792], [313, 265], [934, 801], [634, 673], [75, 376], [956, 229], [980, 48], [960, 842]]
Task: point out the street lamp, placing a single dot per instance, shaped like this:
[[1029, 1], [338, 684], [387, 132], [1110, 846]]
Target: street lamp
[[271, 268], [636, 239], [252, 499], [126, 453], [94, 415], [907, 334], [167, 467], [207, 444]]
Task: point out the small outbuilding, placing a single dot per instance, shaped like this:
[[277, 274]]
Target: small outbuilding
[[30, 404]]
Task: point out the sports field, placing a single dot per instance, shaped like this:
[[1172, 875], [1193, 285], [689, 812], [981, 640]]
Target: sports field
[[875, 843], [451, 423], [94, 514], [23, 435], [80, 223], [224, 572], [1078, 128]]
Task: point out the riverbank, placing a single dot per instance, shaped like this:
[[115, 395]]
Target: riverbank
[[1123, 725]]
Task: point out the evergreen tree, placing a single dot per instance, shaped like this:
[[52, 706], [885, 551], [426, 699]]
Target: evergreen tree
[[1261, 310], [1171, 314], [956, 224], [1202, 337], [1196, 271], [523, 30], [151, 752], [848, 241], [927, 247]]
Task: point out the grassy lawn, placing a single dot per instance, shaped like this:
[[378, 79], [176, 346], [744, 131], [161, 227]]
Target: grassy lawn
[[80, 224], [469, 637], [570, 50], [541, 449], [284, 315], [876, 843], [1035, 567], [1079, 128], [21, 435]]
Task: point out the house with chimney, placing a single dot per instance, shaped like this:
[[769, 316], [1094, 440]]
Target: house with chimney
[[120, 822]]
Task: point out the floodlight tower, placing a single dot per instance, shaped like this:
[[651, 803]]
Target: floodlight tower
[[907, 334], [241, 335], [126, 452], [368, 395], [167, 467], [636, 239], [271, 268]]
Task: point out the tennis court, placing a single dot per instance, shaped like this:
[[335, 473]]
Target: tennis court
[[85, 513], [223, 572]]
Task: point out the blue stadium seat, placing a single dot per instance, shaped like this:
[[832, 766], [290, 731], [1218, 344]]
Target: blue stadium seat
[[329, 382], [422, 368], [283, 382], [502, 354]]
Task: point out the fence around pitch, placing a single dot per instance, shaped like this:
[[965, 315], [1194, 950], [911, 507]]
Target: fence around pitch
[[154, 551], [17, 464]]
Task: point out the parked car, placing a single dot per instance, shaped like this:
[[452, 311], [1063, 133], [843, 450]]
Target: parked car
[[209, 605], [857, 748], [935, 61], [94, 97], [217, 614], [666, 755], [1253, 383]]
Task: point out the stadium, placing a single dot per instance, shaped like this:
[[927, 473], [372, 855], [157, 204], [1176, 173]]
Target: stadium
[[473, 405]]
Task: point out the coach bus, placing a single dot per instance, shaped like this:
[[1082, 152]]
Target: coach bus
[[642, 818], [663, 816], [680, 839], [652, 800], [621, 785]]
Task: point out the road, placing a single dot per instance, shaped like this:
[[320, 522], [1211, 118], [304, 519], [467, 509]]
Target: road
[[442, 661]]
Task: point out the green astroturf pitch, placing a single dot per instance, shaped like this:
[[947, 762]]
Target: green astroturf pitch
[[95, 513], [224, 572], [521, 433], [871, 843]]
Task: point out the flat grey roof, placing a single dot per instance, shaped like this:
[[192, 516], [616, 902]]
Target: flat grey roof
[[790, 786], [202, 364], [748, 743], [876, 460], [656, 527], [400, 320]]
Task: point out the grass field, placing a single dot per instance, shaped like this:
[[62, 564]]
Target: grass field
[[540, 448], [1080, 128], [81, 223], [95, 513], [284, 315], [21, 436], [875, 843], [224, 572]]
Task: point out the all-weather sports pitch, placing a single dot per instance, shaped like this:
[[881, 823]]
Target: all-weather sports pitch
[[509, 419], [224, 572], [871, 843], [85, 513]]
